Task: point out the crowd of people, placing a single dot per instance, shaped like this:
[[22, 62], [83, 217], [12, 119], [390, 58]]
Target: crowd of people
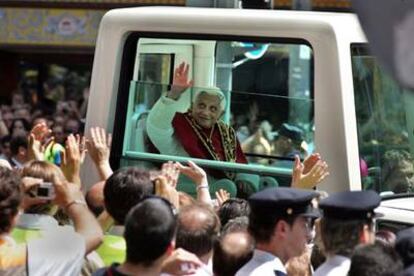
[[135, 222]]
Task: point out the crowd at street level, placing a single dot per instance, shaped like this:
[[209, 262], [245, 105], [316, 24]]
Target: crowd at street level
[[135, 222]]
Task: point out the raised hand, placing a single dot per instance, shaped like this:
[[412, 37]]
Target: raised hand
[[296, 173], [222, 196], [99, 148], [180, 81], [165, 190], [72, 159], [310, 161], [40, 131], [38, 142], [66, 193], [81, 141], [194, 172], [199, 177], [317, 173], [171, 173], [181, 262], [99, 145]]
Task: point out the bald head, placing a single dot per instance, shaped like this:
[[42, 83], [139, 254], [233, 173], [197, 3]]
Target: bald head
[[237, 243], [198, 228], [95, 198], [231, 252]]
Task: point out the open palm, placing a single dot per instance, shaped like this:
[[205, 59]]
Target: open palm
[[180, 81]]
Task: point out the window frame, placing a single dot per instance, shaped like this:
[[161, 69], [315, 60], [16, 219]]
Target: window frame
[[126, 76]]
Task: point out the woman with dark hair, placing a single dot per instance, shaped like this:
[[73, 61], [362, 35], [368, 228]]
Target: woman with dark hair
[[19, 127]]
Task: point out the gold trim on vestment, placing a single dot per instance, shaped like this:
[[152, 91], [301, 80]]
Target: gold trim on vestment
[[228, 141]]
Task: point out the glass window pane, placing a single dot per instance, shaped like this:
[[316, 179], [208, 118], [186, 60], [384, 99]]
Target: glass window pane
[[241, 103], [383, 118]]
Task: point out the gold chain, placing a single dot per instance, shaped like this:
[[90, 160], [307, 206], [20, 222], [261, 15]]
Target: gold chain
[[227, 135], [228, 140]]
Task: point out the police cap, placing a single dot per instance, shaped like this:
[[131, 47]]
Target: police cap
[[350, 205], [284, 202], [291, 131]]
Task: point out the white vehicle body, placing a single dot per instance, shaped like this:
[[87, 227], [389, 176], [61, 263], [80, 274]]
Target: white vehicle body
[[397, 213], [329, 35]]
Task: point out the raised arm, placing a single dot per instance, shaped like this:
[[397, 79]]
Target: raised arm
[[70, 198], [159, 122], [199, 177]]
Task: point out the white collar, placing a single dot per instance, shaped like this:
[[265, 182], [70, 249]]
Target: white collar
[[264, 257], [338, 260]]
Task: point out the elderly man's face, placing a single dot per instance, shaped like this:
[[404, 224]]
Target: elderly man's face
[[206, 110]]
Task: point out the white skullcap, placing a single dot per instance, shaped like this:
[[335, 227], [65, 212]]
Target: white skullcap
[[214, 91]]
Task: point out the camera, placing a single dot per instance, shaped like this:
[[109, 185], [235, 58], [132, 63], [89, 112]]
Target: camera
[[45, 190]]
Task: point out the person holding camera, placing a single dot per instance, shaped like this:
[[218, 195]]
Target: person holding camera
[[39, 191], [54, 250]]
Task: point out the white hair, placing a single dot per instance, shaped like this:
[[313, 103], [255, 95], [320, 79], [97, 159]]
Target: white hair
[[213, 91]]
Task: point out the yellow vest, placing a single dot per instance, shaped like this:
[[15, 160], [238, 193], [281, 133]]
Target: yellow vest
[[112, 249], [22, 235]]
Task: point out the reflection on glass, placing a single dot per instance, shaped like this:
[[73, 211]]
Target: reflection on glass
[[153, 71], [383, 112], [261, 113]]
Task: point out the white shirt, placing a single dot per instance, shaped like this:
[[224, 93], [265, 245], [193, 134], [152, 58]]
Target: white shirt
[[334, 266], [262, 264], [59, 252]]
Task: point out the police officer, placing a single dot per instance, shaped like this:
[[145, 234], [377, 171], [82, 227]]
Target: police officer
[[280, 222], [348, 220], [288, 143]]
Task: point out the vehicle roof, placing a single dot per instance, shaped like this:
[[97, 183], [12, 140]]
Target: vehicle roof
[[208, 20], [401, 202], [398, 208]]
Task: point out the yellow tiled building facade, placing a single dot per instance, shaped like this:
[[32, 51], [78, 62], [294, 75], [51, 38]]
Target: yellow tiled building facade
[[36, 35]]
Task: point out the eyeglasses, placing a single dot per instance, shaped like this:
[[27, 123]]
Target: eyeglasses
[[309, 224]]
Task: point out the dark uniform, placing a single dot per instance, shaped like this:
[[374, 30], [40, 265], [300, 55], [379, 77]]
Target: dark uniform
[[350, 205], [271, 205]]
